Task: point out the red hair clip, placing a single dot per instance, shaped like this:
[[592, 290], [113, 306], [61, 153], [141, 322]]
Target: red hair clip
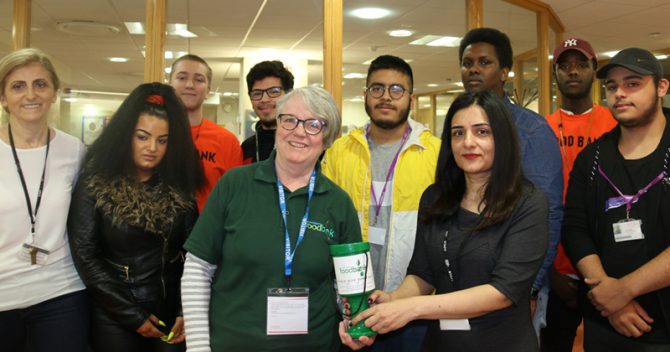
[[155, 99]]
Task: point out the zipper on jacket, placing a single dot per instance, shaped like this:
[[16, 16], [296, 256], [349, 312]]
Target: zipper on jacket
[[124, 268], [165, 253]]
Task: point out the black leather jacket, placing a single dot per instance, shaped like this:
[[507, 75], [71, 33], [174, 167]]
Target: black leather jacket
[[126, 239]]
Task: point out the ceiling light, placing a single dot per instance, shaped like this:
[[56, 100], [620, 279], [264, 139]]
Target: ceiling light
[[370, 13], [179, 29], [87, 28], [354, 75], [400, 33], [135, 27], [661, 57], [451, 42], [611, 53], [168, 70], [118, 59], [511, 74], [436, 40], [432, 85]]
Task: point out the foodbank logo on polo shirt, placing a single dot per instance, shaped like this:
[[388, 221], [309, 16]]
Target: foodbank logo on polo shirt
[[319, 227]]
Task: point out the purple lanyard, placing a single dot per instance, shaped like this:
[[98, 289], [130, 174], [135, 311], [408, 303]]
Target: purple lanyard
[[622, 199], [379, 201]]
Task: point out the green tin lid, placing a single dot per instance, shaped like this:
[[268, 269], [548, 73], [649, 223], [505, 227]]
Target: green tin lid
[[340, 250]]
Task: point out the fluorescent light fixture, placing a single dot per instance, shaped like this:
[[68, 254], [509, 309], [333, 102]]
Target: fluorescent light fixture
[[168, 70], [400, 33], [511, 74], [357, 99], [70, 100], [370, 13], [367, 62], [135, 27], [432, 85], [118, 59], [450, 42], [459, 84], [180, 29], [661, 57], [425, 40], [436, 40], [354, 75], [611, 53]]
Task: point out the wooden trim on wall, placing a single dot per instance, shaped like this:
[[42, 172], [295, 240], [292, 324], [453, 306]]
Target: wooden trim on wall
[[332, 49], [474, 14], [539, 6], [21, 24], [544, 72], [154, 59]]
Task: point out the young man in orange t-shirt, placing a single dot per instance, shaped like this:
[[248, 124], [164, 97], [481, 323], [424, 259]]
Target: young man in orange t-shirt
[[218, 149], [576, 123]]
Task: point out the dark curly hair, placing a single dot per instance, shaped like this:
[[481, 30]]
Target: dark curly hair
[[110, 156], [498, 39], [273, 68]]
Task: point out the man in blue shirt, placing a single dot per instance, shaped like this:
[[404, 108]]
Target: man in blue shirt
[[485, 55]]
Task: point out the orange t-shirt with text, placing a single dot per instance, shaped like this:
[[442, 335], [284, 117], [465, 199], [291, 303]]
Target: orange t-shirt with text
[[218, 151], [574, 133]]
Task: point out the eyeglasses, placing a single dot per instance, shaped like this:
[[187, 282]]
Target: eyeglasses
[[377, 90], [272, 92], [311, 126]]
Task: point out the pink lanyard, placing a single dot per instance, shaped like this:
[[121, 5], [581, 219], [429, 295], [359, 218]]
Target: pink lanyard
[[622, 199], [379, 201]]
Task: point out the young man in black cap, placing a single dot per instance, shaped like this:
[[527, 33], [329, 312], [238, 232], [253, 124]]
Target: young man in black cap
[[617, 223]]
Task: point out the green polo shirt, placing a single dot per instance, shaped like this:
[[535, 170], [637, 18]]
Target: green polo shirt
[[242, 232]]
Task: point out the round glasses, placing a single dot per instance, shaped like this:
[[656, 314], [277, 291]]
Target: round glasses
[[376, 90], [311, 126], [272, 92]]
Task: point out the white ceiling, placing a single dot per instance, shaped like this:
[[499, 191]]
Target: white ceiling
[[227, 31]]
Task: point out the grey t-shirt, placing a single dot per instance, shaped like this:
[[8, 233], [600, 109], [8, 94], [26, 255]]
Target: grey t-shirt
[[381, 158]]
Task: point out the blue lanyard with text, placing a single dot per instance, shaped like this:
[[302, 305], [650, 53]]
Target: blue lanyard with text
[[288, 255]]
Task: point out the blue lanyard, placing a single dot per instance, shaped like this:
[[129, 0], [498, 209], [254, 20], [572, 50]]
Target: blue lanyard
[[288, 255]]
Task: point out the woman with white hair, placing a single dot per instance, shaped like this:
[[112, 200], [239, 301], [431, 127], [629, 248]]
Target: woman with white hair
[[259, 274]]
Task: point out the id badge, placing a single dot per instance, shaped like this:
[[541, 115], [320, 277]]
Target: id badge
[[33, 254], [627, 230], [288, 311], [377, 235], [455, 324]]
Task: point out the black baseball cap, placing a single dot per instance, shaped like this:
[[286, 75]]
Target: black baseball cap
[[635, 59]]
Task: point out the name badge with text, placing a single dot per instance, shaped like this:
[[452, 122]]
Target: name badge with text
[[455, 324], [288, 310], [627, 230]]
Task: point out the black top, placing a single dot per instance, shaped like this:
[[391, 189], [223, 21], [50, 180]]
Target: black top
[[588, 227], [506, 256], [266, 144], [126, 239]]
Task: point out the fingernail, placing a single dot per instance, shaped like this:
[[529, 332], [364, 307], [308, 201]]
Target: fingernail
[[161, 323], [170, 336]]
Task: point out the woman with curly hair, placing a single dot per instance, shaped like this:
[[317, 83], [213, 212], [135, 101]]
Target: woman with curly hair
[[131, 212]]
